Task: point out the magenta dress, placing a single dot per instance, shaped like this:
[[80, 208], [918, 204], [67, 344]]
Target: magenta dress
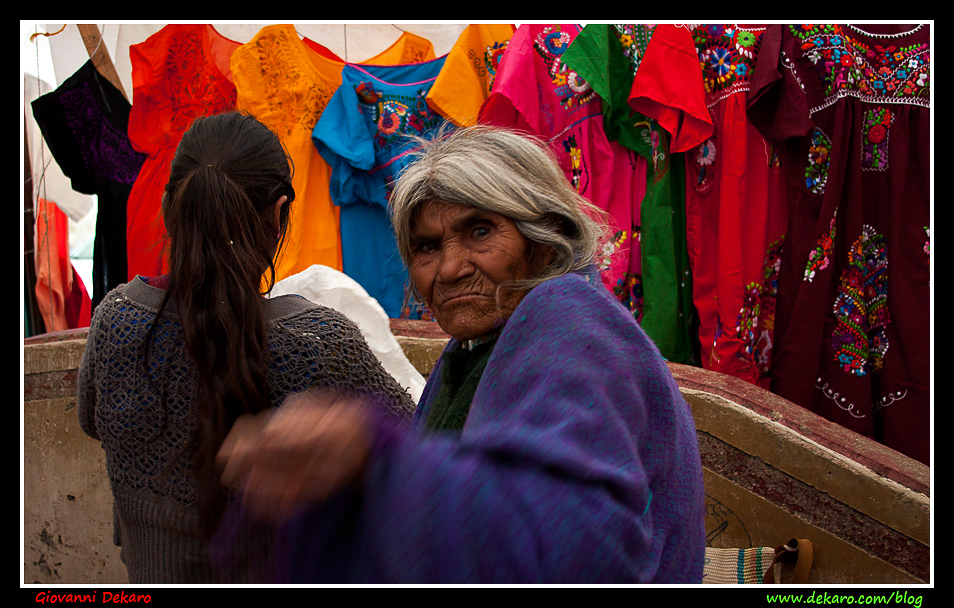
[[535, 91]]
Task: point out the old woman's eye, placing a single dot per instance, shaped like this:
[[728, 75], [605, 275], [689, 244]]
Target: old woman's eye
[[480, 231], [426, 247]]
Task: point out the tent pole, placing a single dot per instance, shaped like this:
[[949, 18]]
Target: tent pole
[[33, 317], [93, 40]]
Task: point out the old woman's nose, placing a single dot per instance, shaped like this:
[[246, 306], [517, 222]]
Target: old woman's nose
[[454, 263]]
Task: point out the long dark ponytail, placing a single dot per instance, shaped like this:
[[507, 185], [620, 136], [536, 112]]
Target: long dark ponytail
[[228, 173]]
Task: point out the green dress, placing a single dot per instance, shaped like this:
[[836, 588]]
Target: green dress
[[607, 57]]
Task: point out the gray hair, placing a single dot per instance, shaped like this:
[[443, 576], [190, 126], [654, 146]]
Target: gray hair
[[505, 172]]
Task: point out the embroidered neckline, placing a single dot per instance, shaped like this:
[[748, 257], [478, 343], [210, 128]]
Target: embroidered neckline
[[848, 65], [895, 35]]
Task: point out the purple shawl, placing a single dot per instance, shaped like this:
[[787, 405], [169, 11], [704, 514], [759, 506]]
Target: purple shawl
[[578, 464]]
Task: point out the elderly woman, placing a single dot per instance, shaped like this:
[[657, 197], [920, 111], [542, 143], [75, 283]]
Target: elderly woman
[[551, 444]]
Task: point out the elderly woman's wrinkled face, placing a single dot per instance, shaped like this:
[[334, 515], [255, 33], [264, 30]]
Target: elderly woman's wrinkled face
[[459, 255]]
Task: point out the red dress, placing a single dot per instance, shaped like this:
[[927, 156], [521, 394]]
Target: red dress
[[179, 73], [736, 213]]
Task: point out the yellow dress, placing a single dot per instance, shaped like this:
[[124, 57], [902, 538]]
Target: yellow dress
[[468, 73], [286, 82]]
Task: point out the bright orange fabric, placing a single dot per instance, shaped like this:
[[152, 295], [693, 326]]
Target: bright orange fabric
[[60, 293], [468, 73], [286, 82]]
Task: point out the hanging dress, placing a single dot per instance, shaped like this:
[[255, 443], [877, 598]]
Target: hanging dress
[[736, 213], [61, 295], [179, 73], [536, 92], [286, 81], [852, 335], [469, 71], [658, 284], [84, 122], [361, 135]]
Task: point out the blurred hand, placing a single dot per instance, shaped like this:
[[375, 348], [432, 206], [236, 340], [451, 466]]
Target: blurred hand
[[297, 456]]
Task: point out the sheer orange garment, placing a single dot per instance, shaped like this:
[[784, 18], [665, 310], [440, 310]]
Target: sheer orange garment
[[60, 292], [286, 81], [179, 73], [468, 73]]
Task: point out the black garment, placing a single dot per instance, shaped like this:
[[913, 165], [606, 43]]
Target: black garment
[[84, 122]]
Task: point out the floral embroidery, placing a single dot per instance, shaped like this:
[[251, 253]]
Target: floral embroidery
[[106, 150], [705, 158], [610, 248], [819, 257], [748, 317], [485, 66], [195, 87], [296, 95], [848, 66], [774, 157], [395, 115], [727, 55], [652, 137], [719, 332], [819, 155], [859, 341], [366, 93], [745, 42], [629, 288], [492, 55], [874, 145], [576, 161], [572, 90], [634, 38], [629, 291], [755, 324]]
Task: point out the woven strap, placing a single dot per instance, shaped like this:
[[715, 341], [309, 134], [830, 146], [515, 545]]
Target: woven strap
[[755, 565], [725, 566]]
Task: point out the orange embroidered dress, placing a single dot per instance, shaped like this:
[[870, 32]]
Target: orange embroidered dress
[[286, 81], [468, 74]]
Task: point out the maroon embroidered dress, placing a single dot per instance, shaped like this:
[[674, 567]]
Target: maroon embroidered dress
[[535, 91], [179, 73], [852, 105], [736, 213]]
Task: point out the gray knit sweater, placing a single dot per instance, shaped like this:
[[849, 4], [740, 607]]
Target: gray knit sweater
[[156, 520]]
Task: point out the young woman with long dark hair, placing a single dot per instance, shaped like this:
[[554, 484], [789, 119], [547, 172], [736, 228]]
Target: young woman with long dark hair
[[172, 361]]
